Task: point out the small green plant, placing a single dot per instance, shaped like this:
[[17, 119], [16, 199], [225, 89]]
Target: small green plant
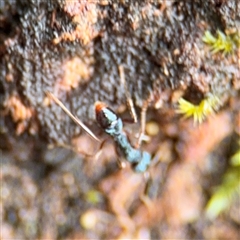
[[225, 193], [235, 160], [201, 111], [221, 43], [93, 196]]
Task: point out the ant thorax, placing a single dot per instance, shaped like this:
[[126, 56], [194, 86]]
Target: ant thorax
[[125, 149]]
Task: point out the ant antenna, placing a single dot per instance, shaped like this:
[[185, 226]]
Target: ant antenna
[[74, 118], [127, 94]]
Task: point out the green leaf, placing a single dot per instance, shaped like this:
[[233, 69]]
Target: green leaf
[[218, 202], [225, 193], [235, 159]]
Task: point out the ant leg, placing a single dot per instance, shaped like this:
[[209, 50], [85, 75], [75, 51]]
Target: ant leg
[[121, 163], [142, 135], [143, 122], [127, 94], [132, 109], [95, 155], [144, 196], [99, 151], [69, 147]]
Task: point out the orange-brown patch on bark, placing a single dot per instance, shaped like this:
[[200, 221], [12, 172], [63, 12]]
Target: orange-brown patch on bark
[[85, 15], [20, 113], [76, 72]]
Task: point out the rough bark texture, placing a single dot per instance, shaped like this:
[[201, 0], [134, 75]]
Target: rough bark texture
[[74, 49]]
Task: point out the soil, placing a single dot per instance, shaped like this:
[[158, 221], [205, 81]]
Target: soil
[[59, 183]]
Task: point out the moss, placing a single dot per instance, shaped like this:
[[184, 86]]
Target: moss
[[201, 111], [221, 43], [227, 191]]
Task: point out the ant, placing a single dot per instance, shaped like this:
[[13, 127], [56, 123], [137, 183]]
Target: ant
[[112, 124]]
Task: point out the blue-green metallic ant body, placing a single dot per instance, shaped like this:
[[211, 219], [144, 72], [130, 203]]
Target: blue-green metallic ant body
[[113, 125]]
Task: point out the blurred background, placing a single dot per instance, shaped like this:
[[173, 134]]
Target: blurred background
[[179, 57]]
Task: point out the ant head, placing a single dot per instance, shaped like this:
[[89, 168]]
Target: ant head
[[108, 119]]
